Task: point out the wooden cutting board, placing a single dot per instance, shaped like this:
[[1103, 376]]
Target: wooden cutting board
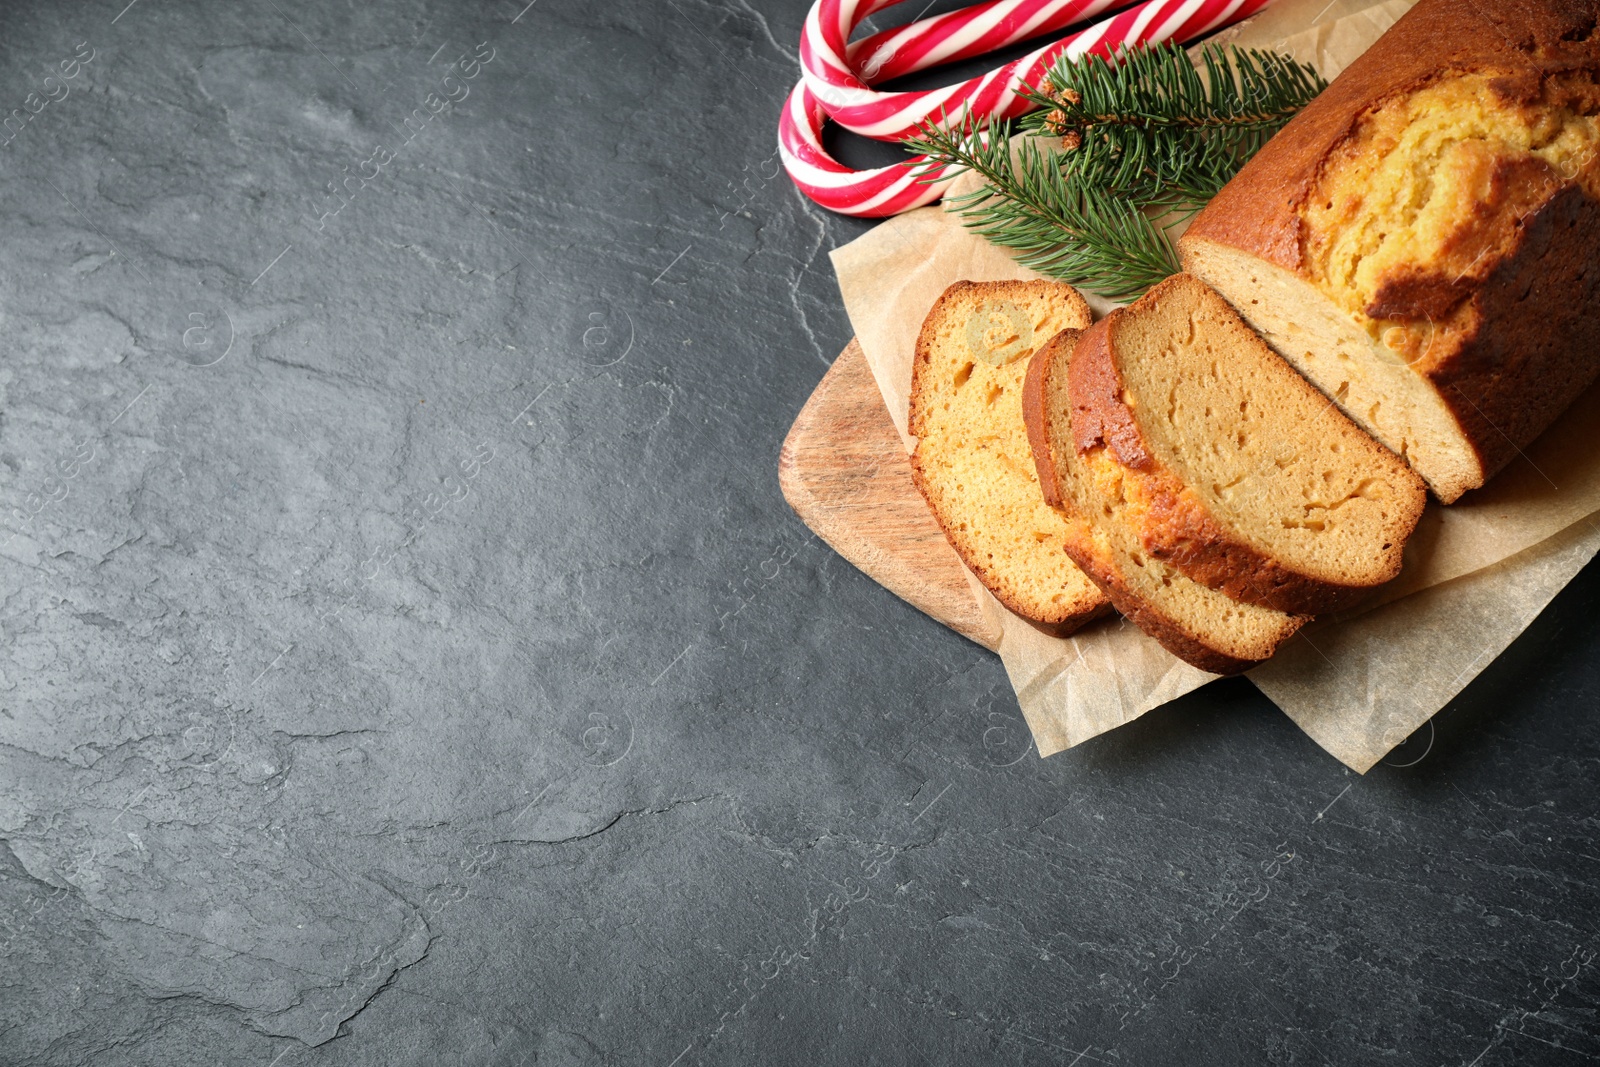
[[845, 473]]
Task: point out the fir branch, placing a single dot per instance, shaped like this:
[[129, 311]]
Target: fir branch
[[1059, 227], [1145, 139], [1147, 121]]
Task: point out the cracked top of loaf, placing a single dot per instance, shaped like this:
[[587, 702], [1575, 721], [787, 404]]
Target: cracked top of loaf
[[1400, 188], [1412, 211]]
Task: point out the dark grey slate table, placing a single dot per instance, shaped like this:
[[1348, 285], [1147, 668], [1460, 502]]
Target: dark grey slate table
[[408, 657]]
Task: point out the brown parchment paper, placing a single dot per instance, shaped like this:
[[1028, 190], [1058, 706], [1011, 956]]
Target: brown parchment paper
[[1477, 573]]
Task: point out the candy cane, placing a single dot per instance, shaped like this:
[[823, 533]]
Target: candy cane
[[875, 193], [826, 63], [832, 88]]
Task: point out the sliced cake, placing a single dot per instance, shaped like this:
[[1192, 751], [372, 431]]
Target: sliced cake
[[1194, 622], [1236, 470], [972, 461]]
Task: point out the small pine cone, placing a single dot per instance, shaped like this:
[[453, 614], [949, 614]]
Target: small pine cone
[[1056, 122], [1071, 96], [1073, 139]]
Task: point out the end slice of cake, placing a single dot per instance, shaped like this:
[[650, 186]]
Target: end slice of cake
[[972, 461], [1196, 623], [1236, 470]]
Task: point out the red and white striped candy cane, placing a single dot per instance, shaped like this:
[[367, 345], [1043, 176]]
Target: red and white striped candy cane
[[830, 68], [831, 86]]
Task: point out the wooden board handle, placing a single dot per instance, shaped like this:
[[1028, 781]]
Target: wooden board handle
[[844, 471]]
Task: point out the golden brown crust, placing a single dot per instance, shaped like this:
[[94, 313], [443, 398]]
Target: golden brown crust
[[1099, 418], [1171, 520], [1071, 626], [1508, 343], [1534, 350], [1056, 357], [1033, 413]]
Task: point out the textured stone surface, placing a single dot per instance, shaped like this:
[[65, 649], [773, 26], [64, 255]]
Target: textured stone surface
[[406, 655]]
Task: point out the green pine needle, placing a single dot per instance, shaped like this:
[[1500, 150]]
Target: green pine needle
[[1060, 227], [1150, 140]]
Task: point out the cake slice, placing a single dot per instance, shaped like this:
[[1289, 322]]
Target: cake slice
[[1194, 622], [1236, 470], [972, 461]]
